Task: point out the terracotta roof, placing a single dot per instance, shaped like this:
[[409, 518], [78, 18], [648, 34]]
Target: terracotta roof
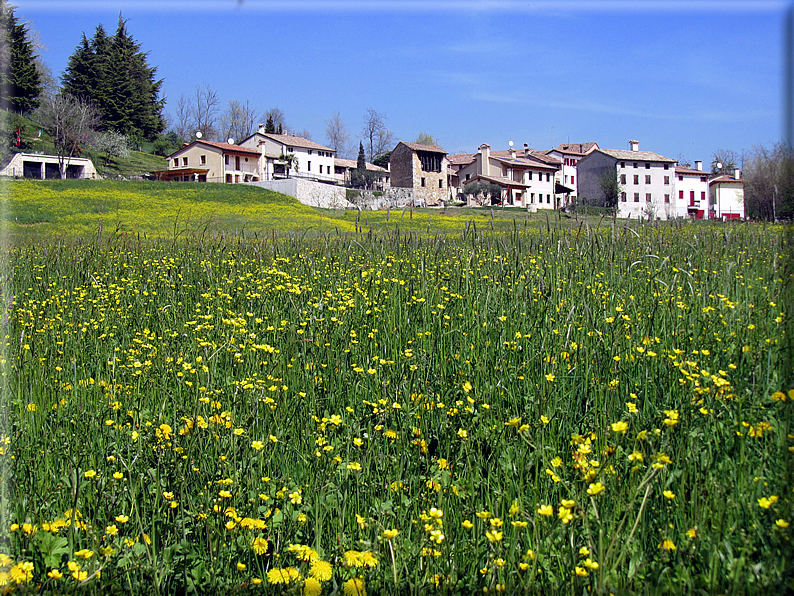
[[500, 180], [725, 178], [418, 147], [461, 158], [226, 147], [352, 163], [690, 171], [291, 141], [627, 155], [580, 148]]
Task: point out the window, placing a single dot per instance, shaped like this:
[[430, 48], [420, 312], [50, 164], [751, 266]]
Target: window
[[308, 166], [532, 197], [623, 197], [203, 159], [680, 178], [681, 195], [647, 179], [667, 179], [666, 198], [441, 184], [184, 161], [636, 179], [702, 178], [548, 198], [571, 179], [647, 197], [530, 178], [703, 195], [548, 177], [431, 162], [468, 176], [226, 161], [423, 182], [321, 168], [636, 197], [310, 151], [635, 165], [176, 162], [647, 165], [566, 180], [667, 166], [622, 164], [237, 163], [623, 178]]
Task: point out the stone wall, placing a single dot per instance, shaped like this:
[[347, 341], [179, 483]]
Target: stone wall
[[309, 192], [389, 198]]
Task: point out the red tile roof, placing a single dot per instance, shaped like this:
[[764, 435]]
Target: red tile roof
[[418, 147], [291, 141], [352, 163], [225, 147], [690, 171], [726, 179]]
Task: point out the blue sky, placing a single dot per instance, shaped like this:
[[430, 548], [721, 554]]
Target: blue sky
[[683, 77]]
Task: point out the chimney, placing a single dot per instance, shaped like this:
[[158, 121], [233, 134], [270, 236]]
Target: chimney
[[260, 128], [485, 155], [698, 165], [526, 150], [635, 145], [737, 174], [185, 144], [512, 153]]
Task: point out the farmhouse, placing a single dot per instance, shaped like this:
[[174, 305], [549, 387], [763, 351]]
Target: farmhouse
[[691, 187], [308, 159], [647, 180], [423, 168], [726, 197], [209, 161]]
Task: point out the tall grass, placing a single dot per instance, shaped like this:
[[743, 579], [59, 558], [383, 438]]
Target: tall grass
[[540, 410]]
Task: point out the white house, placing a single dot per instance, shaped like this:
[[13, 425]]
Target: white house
[[691, 187], [569, 155], [726, 197], [647, 180], [313, 161], [527, 178]]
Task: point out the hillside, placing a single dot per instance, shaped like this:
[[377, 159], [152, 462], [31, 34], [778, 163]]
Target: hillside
[[135, 165]]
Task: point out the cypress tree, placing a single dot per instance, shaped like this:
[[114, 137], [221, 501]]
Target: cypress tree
[[20, 80], [270, 127]]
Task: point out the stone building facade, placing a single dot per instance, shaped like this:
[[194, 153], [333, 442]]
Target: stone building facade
[[424, 168]]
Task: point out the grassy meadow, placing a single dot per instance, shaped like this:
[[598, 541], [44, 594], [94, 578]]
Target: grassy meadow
[[431, 404]]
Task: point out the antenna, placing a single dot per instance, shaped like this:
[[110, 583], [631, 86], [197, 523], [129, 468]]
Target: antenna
[[510, 143], [230, 140], [198, 134]]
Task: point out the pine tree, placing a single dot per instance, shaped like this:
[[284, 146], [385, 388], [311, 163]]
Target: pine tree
[[20, 80], [270, 127], [112, 72]]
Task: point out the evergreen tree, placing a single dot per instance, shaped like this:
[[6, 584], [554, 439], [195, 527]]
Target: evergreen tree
[[112, 73], [20, 80], [361, 163], [270, 127]]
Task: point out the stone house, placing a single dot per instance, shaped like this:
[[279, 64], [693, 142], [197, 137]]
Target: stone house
[[647, 180], [423, 168], [344, 167]]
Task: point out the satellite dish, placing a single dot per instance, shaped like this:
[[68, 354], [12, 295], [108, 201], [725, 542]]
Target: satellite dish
[[510, 143], [230, 140], [198, 134]]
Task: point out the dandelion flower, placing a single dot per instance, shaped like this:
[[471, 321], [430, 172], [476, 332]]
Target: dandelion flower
[[355, 587], [620, 427], [312, 587], [667, 544], [321, 570], [278, 576], [259, 545]]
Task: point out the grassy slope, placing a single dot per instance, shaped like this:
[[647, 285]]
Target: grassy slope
[[75, 208], [136, 164]]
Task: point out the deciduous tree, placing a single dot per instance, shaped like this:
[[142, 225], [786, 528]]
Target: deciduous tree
[[70, 121], [337, 135], [238, 120], [376, 135], [425, 139]]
